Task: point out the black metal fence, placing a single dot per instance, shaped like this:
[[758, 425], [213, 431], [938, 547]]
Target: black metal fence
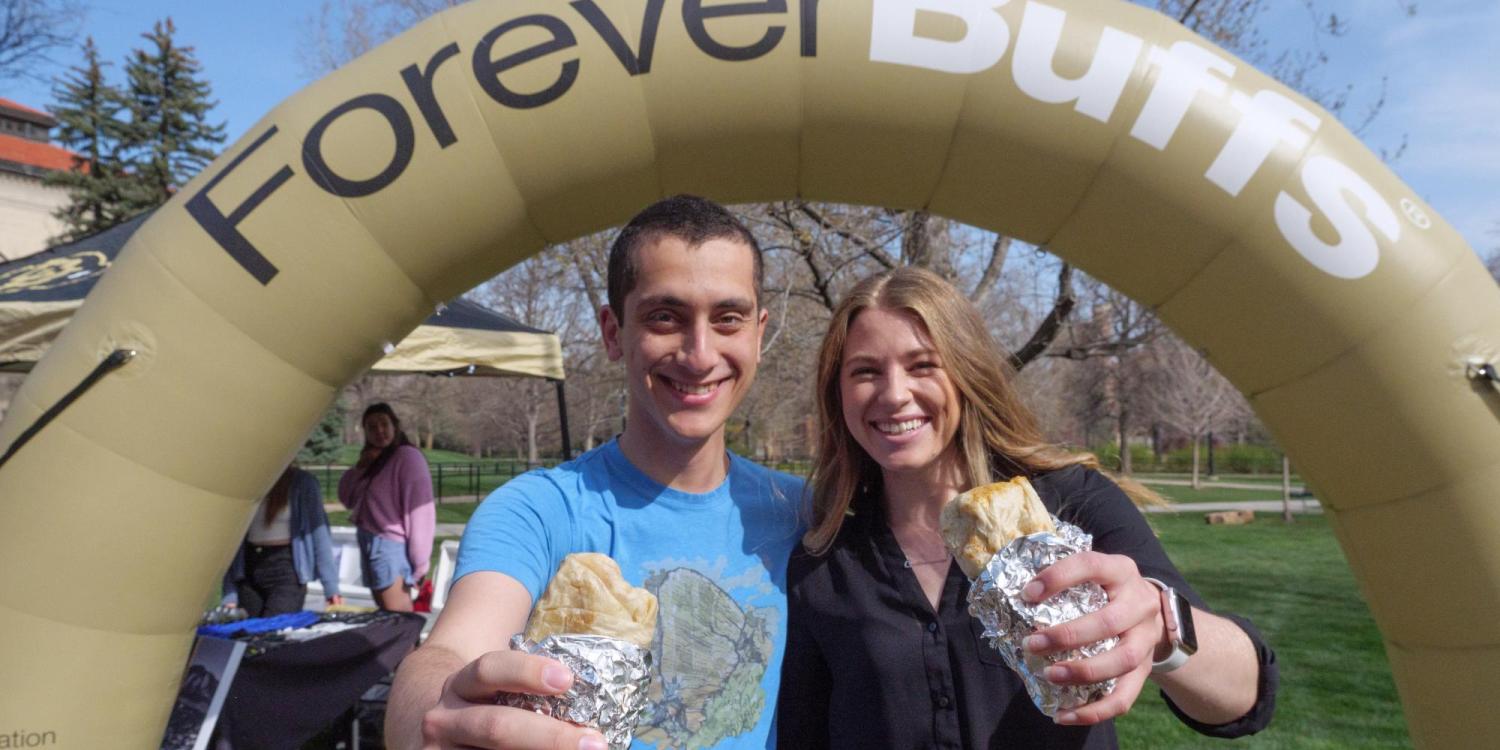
[[472, 482], [451, 482]]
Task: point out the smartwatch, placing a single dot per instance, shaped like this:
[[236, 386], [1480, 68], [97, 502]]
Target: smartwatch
[[1177, 612]]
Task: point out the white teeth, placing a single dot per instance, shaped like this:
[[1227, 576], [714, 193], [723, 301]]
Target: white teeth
[[897, 428], [693, 390]]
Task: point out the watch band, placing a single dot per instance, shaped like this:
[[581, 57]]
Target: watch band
[[1179, 655]]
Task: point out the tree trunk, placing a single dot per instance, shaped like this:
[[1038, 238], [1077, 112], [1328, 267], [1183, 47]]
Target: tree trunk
[[591, 417], [1286, 489], [1196, 483], [1051, 326], [916, 245], [532, 419], [1123, 436]]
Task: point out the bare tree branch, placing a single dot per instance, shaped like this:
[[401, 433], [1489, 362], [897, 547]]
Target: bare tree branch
[[863, 243], [992, 270], [780, 322], [30, 30], [1047, 332], [1187, 13]]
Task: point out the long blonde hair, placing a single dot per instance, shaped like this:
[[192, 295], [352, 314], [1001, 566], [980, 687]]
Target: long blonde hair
[[998, 436]]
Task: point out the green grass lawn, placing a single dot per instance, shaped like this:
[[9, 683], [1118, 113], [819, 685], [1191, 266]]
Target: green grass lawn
[[1186, 494], [1293, 583], [1273, 480], [446, 513]]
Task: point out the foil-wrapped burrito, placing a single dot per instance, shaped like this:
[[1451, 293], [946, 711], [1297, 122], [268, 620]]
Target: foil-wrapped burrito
[[1002, 536], [610, 680], [600, 627]]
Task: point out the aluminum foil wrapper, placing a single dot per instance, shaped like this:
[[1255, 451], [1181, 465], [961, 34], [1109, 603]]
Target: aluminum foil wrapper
[[610, 679], [995, 598]]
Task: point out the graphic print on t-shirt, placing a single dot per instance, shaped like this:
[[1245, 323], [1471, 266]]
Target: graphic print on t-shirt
[[710, 655]]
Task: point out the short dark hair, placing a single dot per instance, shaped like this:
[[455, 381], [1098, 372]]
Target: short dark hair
[[690, 218]]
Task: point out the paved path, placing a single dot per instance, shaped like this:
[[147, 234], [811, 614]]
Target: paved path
[[1270, 487], [1299, 505]]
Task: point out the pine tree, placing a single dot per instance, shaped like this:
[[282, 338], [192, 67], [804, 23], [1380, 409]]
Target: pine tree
[[327, 439], [87, 111], [168, 138]]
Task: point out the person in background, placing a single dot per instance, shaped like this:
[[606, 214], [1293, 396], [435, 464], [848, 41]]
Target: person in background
[[286, 545], [915, 407], [389, 496]]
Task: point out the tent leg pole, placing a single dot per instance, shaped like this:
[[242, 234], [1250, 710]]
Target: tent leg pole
[[562, 420]]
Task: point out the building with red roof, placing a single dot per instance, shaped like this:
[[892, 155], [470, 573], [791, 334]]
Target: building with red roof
[[26, 158]]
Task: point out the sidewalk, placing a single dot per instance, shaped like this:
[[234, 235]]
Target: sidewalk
[[1269, 487], [1299, 505]]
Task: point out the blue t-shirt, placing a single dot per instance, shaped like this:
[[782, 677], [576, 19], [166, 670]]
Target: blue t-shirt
[[716, 562]]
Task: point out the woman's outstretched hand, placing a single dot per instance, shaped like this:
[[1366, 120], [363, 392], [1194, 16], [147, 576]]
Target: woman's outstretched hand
[[1133, 615]]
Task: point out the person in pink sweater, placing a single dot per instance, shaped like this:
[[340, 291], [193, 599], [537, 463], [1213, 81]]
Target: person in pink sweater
[[389, 495]]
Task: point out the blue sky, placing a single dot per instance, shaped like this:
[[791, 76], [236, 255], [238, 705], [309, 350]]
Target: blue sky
[[1439, 97]]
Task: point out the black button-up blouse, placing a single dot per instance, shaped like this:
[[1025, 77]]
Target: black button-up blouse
[[869, 664]]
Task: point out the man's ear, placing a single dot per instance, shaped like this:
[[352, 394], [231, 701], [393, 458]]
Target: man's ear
[[760, 331], [609, 329]]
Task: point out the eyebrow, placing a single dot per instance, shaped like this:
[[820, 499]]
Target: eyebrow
[[857, 358], [667, 300]]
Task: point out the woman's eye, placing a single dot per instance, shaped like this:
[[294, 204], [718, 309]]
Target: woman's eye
[[925, 366]]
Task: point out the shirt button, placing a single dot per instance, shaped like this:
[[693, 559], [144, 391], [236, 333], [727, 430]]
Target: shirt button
[[942, 701], [932, 627]]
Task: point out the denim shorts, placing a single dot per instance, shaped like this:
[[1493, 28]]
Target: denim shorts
[[383, 561]]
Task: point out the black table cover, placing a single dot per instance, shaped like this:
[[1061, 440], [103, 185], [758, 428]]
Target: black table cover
[[286, 695]]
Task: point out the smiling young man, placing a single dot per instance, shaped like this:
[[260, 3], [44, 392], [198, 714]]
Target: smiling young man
[[706, 531]]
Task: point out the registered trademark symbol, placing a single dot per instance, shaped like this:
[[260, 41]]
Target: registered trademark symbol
[[1416, 214]]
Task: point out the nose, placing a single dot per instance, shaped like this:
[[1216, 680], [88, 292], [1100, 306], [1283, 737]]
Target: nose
[[895, 388], [699, 352]]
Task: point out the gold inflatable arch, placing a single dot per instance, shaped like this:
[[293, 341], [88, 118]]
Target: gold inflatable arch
[[1256, 225]]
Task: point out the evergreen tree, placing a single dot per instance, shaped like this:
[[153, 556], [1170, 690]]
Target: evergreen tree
[[168, 138], [327, 439], [87, 111]]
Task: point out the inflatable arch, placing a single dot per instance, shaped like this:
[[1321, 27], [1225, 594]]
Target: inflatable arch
[[1256, 225]]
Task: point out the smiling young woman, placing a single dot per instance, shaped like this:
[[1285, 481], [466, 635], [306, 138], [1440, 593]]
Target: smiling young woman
[[916, 406]]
